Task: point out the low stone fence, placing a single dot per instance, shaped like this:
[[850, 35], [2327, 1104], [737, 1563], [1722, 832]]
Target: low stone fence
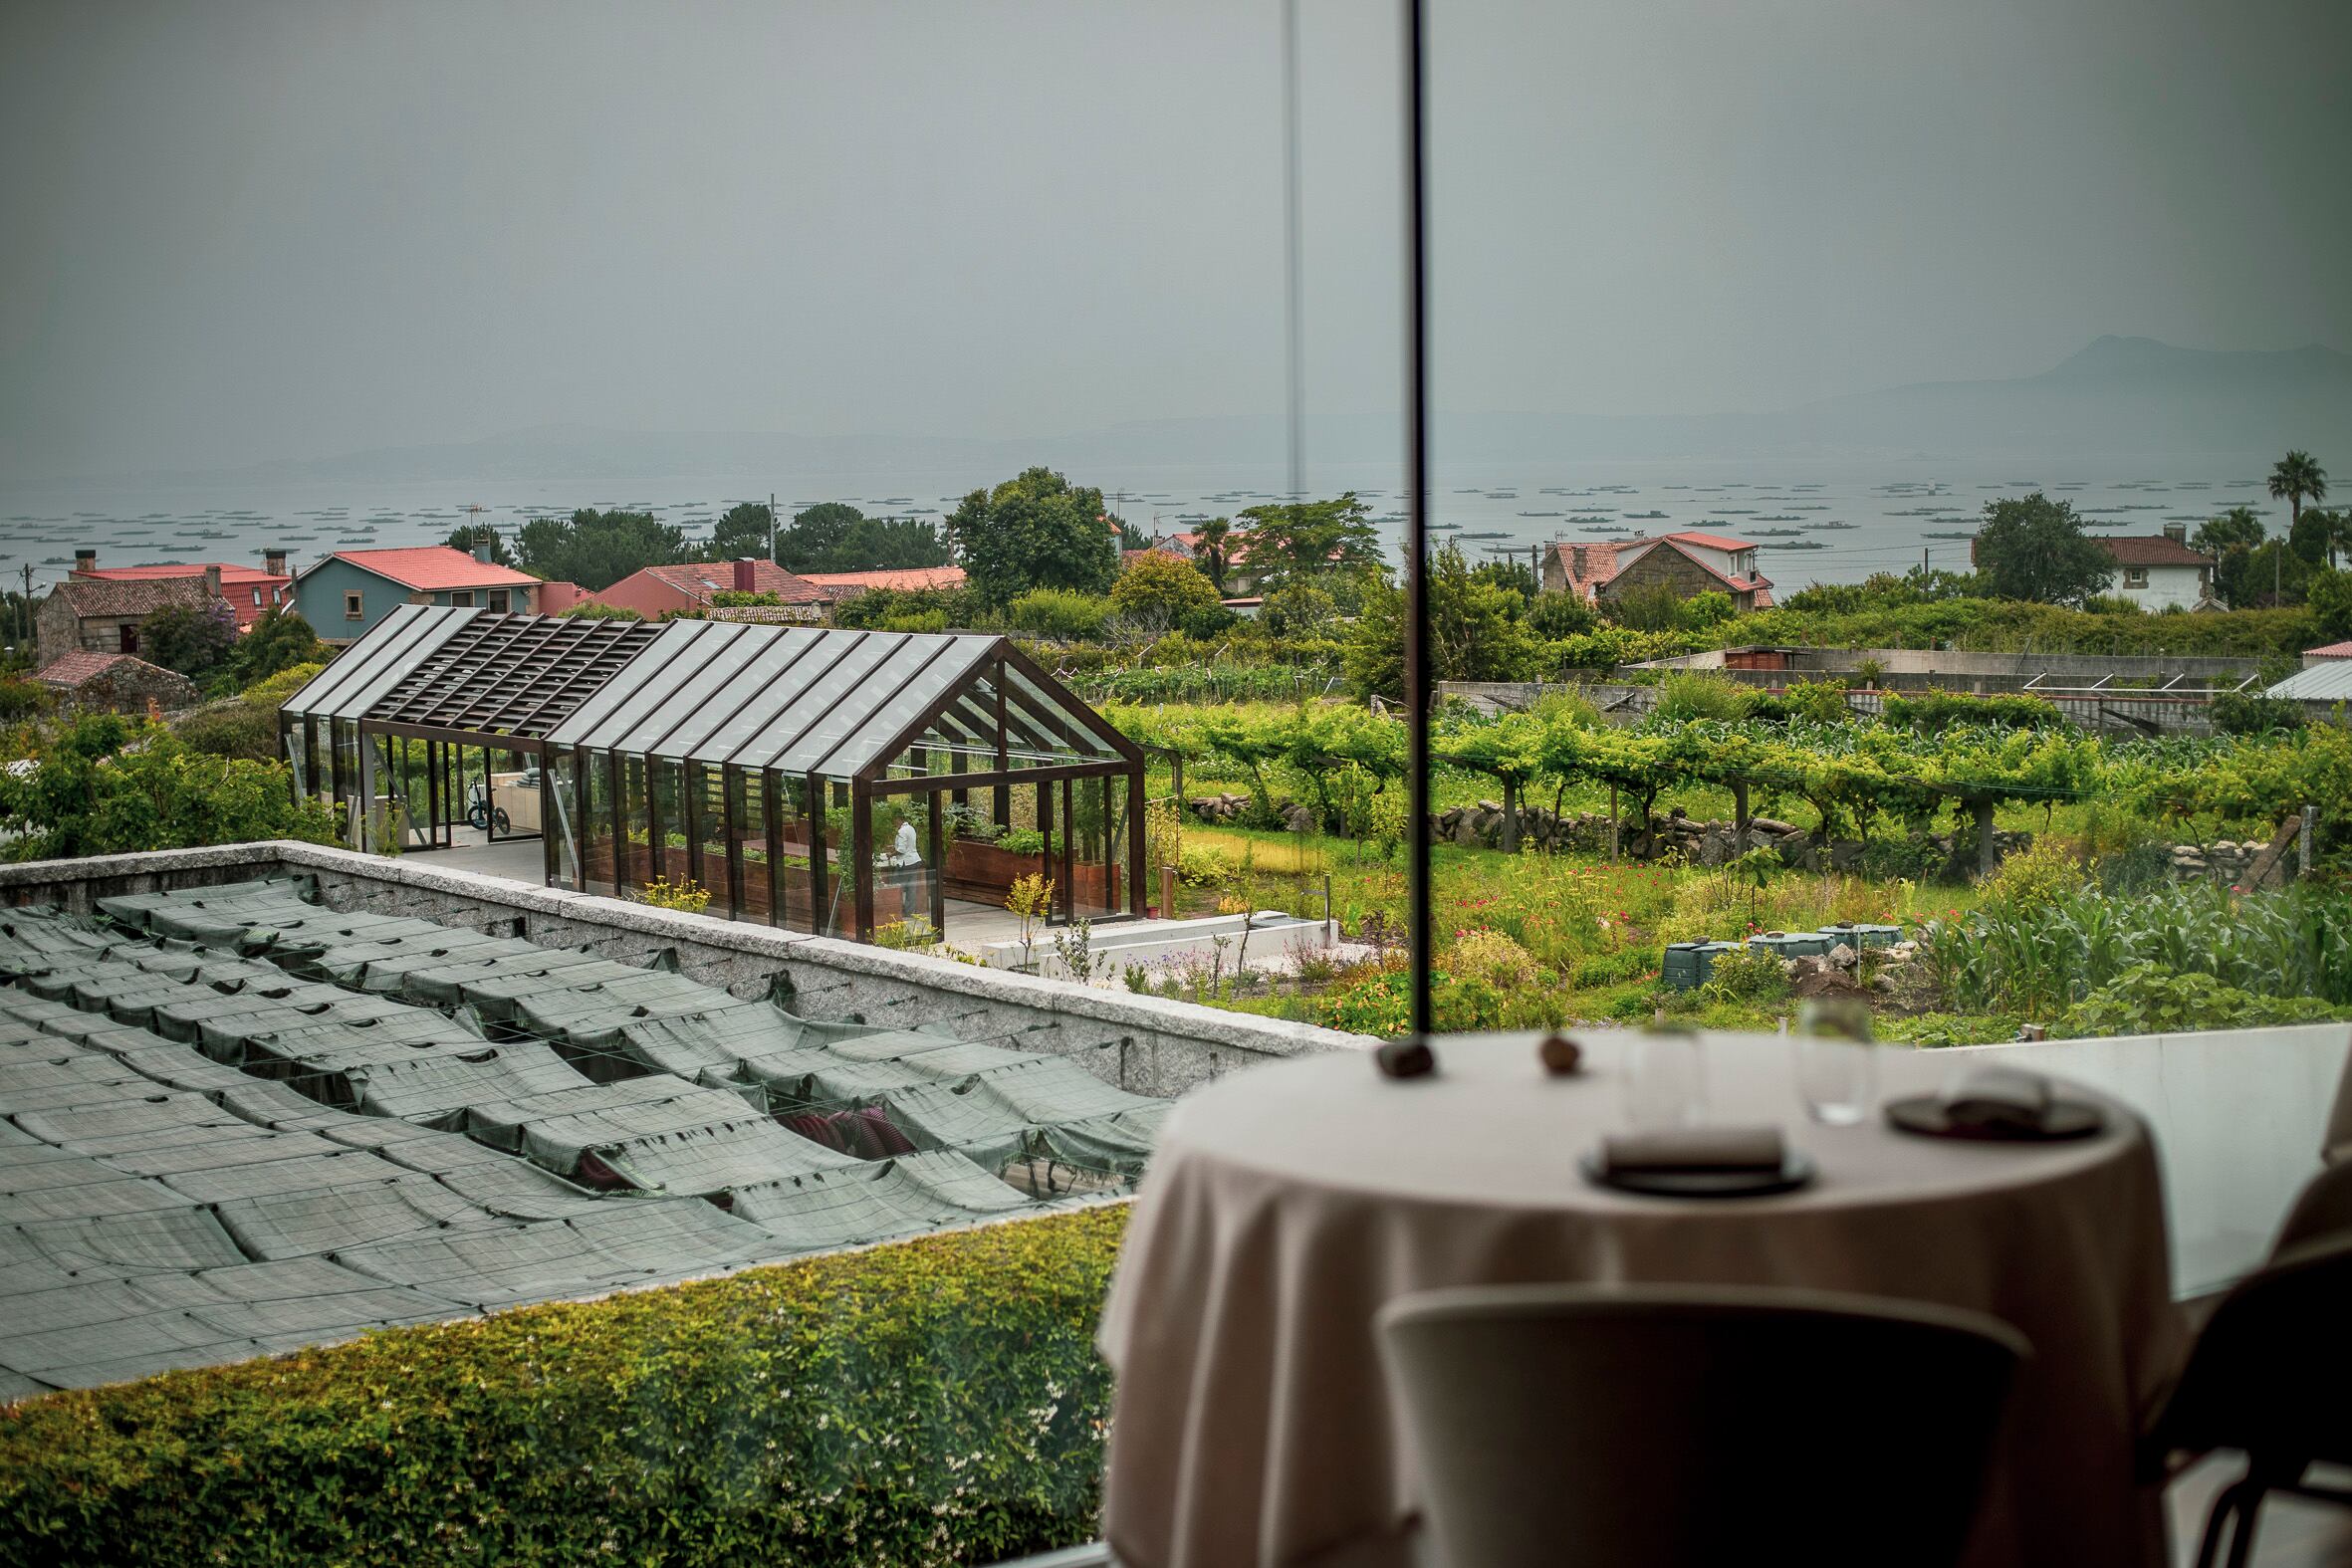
[[1147, 1045]]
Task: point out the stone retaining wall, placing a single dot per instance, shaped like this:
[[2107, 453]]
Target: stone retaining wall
[[1147, 1045]]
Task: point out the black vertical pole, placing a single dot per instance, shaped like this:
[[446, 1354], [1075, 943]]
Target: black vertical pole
[[1417, 921]]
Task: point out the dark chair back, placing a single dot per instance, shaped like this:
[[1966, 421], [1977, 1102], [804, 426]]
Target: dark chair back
[[2323, 1209], [1656, 1427], [2272, 1371]]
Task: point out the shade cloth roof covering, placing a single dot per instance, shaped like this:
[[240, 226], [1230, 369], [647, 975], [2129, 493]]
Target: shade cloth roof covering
[[188, 1175], [795, 699]]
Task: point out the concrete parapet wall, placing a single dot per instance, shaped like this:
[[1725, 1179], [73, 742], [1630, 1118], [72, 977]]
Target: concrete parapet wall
[[1146, 1044]]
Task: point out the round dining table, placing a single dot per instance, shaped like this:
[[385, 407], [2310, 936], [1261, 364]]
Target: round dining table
[[1286, 1204]]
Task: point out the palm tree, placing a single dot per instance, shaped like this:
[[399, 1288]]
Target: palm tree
[[1211, 537], [2296, 479]]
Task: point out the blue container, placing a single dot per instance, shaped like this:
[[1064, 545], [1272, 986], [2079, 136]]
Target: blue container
[[1688, 965], [1795, 944], [1860, 934]]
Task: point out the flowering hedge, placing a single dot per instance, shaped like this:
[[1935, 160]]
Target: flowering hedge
[[938, 1401]]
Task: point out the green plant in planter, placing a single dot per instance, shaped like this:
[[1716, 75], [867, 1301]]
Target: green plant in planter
[[686, 893], [1032, 899]]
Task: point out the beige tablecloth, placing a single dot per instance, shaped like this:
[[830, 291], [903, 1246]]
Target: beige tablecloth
[[1288, 1203]]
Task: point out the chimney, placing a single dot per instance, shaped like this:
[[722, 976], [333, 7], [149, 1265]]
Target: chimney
[[212, 582], [85, 560], [482, 547], [273, 561], [745, 573], [2178, 533]]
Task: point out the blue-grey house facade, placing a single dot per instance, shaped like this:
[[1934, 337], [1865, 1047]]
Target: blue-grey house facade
[[347, 594]]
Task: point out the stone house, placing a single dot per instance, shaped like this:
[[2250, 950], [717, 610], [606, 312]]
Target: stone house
[[116, 683], [103, 614], [1687, 564]]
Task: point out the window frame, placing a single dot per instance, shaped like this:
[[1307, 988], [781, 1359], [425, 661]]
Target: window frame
[[461, 598], [354, 604]]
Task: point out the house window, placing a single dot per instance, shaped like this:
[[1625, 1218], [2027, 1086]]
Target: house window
[[498, 600], [462, 599], [350, 606], [130, 638], [257, 599], [2135, 577]]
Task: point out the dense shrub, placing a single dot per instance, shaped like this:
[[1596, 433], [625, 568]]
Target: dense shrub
[[1059, 612], [2237, 713], [1932, 711], [933, 1402]]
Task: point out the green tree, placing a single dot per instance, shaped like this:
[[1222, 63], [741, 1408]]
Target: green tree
[[2268, 576], [889, 544], [1477, 633], [1309, 538], [1299, 610], [2329, 595], [807, 543], [280, 640], [196, 642], [2036, 549], [1512, 573], [597, 548], [467, 535], [742, 531], [2318, 534], [1557, 615], [1162, 589], [2239, 527], [2295, 479], [1034, 531], [1214, 550], [105, 785]]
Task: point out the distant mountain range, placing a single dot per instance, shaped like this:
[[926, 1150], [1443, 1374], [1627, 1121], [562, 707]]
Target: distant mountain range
[[2118, 396]]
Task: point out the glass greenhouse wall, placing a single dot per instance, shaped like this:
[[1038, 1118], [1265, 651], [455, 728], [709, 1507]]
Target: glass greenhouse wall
[[857, 784]]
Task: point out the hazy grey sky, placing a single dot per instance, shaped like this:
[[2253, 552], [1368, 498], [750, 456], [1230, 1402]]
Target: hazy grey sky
[[236, 231]]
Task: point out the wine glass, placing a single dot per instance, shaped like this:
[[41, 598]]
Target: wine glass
[[1836, 1064], [1666, 1082]]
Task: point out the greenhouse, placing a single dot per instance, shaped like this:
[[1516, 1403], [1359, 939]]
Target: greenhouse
[[843, 782]]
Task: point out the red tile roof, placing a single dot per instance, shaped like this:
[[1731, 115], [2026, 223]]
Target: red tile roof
[[699, 580], [76, 669], [2334, 650], [432, 566], [1710, 540], [2154, 550], [1586, 567], [230, 575], [902, 579], [238, 585]]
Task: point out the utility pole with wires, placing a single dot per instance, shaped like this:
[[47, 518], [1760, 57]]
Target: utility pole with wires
[[28, 631], [771, 524]]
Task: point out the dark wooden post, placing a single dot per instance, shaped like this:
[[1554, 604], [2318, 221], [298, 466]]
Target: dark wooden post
[[690, 807], [617, 777], [862, 858], [1135, 838], [549, 852], [938, 862], [656, 832], [772, 808], [730, 820], [820, 903]]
